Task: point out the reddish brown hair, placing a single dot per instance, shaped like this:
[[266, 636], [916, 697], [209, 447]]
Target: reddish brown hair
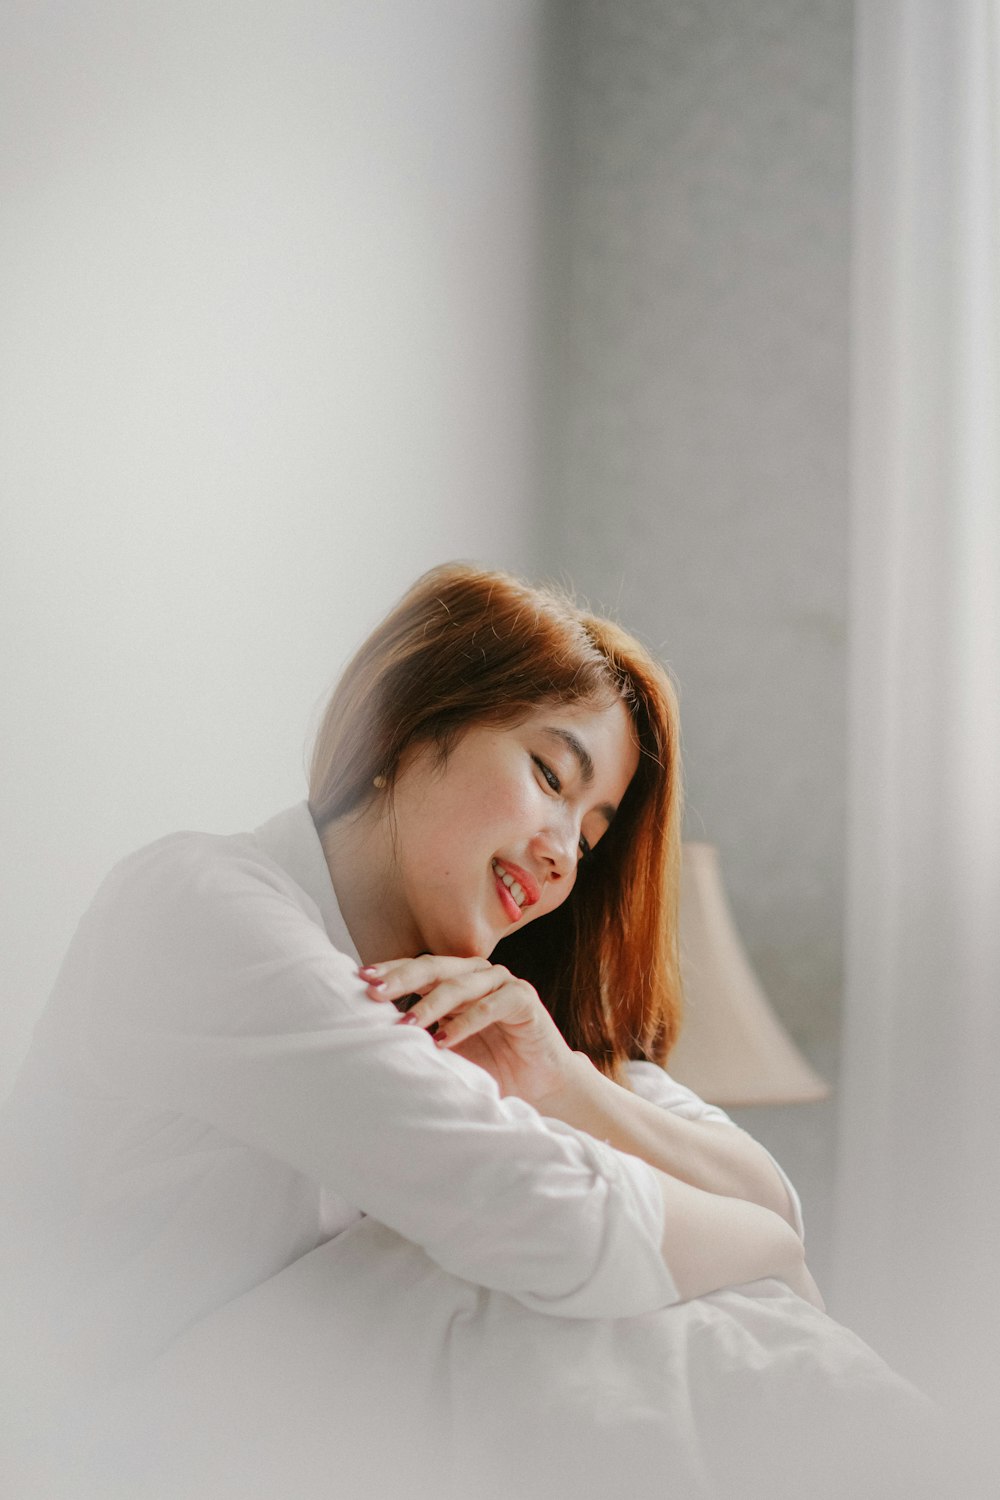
[[466, 646]]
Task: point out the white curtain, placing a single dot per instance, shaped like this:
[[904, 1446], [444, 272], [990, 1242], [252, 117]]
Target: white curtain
[[917, 1258]]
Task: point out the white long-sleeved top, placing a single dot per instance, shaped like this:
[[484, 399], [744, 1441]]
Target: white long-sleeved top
[[210, 1094]]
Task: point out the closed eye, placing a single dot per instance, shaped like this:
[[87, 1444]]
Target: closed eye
[[586, 849], [549, 774]]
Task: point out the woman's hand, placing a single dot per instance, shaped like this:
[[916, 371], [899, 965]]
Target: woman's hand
[[484, 1014]]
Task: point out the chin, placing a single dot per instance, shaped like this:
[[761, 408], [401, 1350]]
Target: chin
[[450, 942], [463, 930], [473, 949], [470, 943]]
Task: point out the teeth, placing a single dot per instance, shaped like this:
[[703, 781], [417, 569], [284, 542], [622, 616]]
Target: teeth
[[516, 889]]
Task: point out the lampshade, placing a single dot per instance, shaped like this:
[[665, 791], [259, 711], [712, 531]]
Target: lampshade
[[732, 1050]]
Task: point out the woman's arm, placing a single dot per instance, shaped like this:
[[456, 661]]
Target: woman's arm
[[207, 988], [726, 1214], [711, 1241], [497, 1021], [710, 1235], [705, 1154]]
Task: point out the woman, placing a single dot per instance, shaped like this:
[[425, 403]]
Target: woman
[[371, 1101]]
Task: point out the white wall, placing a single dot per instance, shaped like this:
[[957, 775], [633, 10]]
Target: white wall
[[268, 331]]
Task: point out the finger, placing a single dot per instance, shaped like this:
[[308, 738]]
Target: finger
[[374, 983], [450, 996], [376, 974], [504, 1004], [378, 979], [415, 976]]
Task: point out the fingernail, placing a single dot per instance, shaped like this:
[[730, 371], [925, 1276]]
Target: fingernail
[[368, 969], [376, 984], [441, 1036], [409, 1019]]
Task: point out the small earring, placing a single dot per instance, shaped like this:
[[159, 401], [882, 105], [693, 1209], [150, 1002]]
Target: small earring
[[379, 782]]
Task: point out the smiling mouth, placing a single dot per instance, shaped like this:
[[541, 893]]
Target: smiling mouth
[[512, 893]]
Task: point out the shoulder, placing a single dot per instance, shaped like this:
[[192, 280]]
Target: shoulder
[[201, 902], [190, 872], [209, 931]]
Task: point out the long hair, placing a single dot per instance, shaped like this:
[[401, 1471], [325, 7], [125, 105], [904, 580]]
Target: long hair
[[466, 646]]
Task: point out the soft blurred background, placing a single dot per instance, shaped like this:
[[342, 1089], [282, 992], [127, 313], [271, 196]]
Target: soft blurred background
[[301, 299]]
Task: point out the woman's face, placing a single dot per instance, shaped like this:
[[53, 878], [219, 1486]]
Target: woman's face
[[493, 837]]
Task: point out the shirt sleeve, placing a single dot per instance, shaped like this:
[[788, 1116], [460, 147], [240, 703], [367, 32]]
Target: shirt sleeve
[[216, 993], [654, 1083]]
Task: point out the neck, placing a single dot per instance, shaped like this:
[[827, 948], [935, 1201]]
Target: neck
[[360, 858]]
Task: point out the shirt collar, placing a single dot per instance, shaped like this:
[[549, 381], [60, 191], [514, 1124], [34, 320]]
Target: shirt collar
[[291, 840]]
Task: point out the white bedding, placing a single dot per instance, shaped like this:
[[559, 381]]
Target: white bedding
[[365, 1370]]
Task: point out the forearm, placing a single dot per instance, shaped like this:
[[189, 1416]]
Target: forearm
[[705, 1154], [710, 1242]]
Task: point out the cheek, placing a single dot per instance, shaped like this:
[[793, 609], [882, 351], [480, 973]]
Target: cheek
[[482, 810], [507, 807]]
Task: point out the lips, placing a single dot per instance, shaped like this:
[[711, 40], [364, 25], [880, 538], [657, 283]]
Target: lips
[[515, 887]]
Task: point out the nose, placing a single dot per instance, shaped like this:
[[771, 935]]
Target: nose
[[555, 848]]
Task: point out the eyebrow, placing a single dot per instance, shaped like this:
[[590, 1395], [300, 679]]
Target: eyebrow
[[585, 761]]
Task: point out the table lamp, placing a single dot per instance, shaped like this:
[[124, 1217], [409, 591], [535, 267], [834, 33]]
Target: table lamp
[[732, 1050]]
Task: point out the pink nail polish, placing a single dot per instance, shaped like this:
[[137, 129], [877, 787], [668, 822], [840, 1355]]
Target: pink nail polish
[[409, 1019], [441, 1036], [376, 984], [367, 969]]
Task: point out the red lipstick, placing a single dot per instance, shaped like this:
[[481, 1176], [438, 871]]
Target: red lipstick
[[527, 882]]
